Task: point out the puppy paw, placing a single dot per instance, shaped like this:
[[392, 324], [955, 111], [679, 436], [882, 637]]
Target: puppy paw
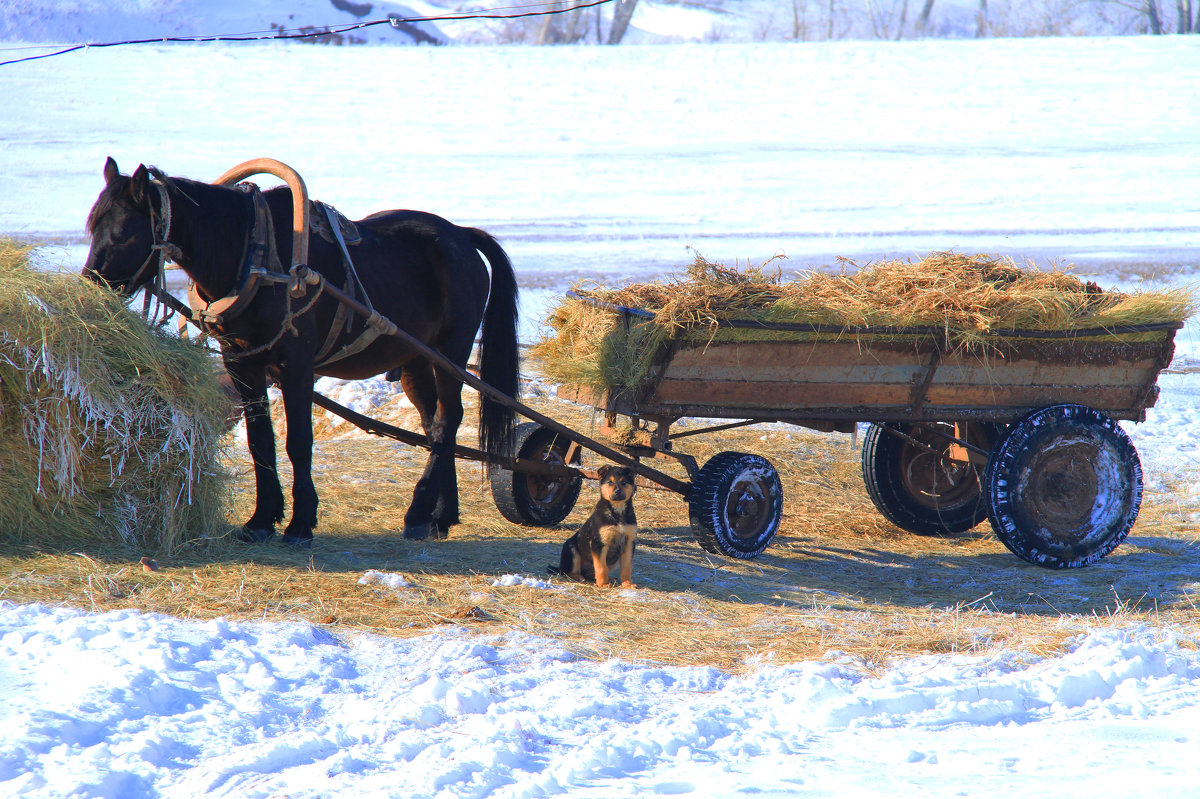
[[628, 585]]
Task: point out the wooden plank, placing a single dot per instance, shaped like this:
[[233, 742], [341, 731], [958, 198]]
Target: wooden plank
[[753, 354], [1033, 373], [1021, 373], [848, 362], [774, 360], [793, 396], [747, 394], [1099, 397]]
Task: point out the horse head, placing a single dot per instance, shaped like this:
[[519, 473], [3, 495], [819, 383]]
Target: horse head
[[128, 229]]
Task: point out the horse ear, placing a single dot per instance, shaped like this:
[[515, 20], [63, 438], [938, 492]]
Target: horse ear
[[139, 184], [111, 172]]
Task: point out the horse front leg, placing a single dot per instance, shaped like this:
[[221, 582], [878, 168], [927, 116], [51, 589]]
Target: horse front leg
[[438, 398], [251, 384], [296, 386]]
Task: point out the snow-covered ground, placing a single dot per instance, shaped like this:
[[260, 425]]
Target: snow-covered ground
[[610, 163], [131, 705]]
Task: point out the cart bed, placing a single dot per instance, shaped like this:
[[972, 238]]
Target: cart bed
[[900, 381]]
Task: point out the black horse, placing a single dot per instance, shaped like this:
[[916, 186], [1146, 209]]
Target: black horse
[[422, 272]]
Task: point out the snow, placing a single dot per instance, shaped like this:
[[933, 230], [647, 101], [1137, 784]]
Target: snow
[[520, 579], [128, 704], [611, 163], [388, 579]]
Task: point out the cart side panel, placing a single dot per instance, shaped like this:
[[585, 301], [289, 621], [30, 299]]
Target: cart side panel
[[773, 379]]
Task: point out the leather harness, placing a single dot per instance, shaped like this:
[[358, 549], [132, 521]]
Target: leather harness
[[261, 267]]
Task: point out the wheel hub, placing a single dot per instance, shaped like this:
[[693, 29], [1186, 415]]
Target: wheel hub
[[747, 510], [931, 477], [1062, 491], [545, 490]]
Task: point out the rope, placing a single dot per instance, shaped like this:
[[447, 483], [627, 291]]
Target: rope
[[285, 327], [283, 34]]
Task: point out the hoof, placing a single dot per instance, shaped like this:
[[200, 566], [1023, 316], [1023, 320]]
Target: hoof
[[298, 541], [417, 532], [255, 535]]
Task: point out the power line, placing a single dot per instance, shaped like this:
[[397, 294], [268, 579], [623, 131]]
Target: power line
[[283, 34]]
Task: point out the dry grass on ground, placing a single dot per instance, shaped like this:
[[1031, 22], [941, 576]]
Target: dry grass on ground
[[837, 578]]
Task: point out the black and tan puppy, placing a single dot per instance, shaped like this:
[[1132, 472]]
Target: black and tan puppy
[[608, 536]]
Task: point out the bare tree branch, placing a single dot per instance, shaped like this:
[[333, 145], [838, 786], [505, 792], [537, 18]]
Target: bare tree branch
[[621, 16]]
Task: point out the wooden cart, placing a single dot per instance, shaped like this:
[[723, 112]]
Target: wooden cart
[[1023, 434]]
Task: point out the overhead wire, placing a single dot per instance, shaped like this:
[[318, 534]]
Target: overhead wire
[[284, 34]]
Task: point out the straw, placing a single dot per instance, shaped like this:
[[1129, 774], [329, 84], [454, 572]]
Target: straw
[[110, 429]]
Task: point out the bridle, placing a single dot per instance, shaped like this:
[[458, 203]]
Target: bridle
[[161, 251]]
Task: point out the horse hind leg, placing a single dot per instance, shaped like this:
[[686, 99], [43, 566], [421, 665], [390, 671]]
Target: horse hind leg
[[434, 506]]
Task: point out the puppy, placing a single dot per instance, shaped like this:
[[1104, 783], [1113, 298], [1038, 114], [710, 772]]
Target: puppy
[[608, 536]]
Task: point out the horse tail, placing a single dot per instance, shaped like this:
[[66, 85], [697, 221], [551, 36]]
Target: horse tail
[[499, 357]]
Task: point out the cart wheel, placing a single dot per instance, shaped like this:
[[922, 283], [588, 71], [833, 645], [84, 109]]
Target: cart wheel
[[1065, 486], [920, 489], [533, 499], [736, 504]]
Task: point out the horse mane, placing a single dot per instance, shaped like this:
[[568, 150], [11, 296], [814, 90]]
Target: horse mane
[[104, 203]]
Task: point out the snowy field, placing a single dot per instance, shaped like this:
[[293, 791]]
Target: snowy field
[[131, 705], [610, 164]]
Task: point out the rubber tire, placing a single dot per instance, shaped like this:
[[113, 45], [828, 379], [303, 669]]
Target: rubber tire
[[734, 477], [893, 468], [1064, 486], [530, 499]]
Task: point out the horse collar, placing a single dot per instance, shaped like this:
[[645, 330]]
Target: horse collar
[[259, 265]]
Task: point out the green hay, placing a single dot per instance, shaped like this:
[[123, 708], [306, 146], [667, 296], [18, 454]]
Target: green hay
[[110, 430], [970, 301]]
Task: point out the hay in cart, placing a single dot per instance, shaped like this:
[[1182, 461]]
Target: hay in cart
[[968, 303], [110, 429]]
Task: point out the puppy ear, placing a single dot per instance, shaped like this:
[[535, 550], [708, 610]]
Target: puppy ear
[[604, 471]]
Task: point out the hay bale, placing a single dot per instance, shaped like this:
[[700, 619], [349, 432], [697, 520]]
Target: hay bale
[[110, 430], [968, 302]]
